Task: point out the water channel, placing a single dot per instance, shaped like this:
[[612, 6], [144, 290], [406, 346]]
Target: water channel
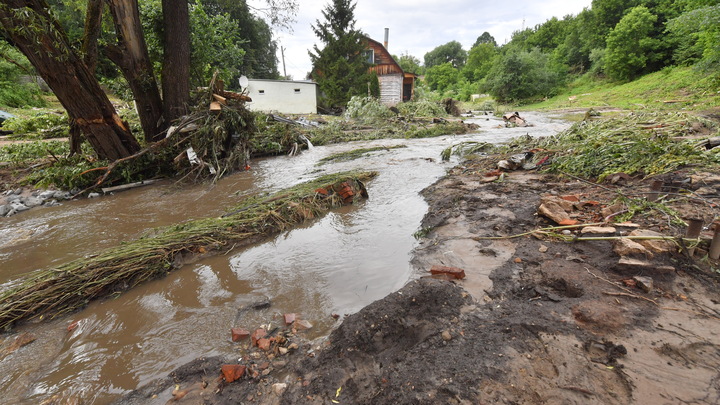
[[338, 264]]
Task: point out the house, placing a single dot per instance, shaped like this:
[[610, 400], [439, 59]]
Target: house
[[395, 85], [282, 96]]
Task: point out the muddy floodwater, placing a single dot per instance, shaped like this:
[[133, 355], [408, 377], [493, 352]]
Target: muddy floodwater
[[338, 264]]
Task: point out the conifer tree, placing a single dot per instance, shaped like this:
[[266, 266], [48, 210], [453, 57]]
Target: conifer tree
[[341, 67]]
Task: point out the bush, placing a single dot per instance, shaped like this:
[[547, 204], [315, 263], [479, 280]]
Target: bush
[[522, 75], [367, 109], [42, 125]]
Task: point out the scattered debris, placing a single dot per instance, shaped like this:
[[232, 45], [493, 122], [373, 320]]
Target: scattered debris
[[514, 120], [454, 272]]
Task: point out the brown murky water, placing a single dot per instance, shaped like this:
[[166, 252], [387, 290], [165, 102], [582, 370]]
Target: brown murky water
[[337, 264]]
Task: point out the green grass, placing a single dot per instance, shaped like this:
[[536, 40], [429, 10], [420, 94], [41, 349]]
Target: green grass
[[683, 88], [356, 154]]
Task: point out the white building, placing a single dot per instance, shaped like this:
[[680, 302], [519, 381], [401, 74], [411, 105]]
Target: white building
[[282, 96]]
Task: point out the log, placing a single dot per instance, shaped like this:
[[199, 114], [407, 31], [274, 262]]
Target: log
[[128, 186]]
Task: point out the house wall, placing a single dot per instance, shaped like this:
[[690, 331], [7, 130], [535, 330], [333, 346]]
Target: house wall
[[282, 96], [391, 89]]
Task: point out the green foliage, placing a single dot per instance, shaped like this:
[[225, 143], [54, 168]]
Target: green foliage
[[14, 94], [465, 149], [410, 64], [367, 110], [485, 38], [421, 108], [522, 75], [451, 52], [24, 154], [356, 154], [630, 144], [442, 77], [629, 44], [340, 68], [699, 34], [40, 125], [480, 60]]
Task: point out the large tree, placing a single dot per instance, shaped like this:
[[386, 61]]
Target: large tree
[[31, 28], [451, 52], [341, 67], [629, 44]]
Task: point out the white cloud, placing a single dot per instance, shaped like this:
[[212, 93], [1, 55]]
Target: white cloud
[[419, 26]]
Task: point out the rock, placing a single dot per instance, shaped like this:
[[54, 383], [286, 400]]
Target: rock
[[47, 194], [631, 263], [31, 202], [598, 230], [568, 222], [283, 350], [454, 272], [654, 245], [553, 211], [279, 388], [543, 249], [567, 205], [572, 198], [93, 195], [289, 319], [446, 336], [19, 207], [5, 209], [18, 191], [257, 335], [62, 195], [625, 247], [301, 324], [238, 334], [263, 344], [645, 283], [613, 209], [293, 346], [232, 372], [12, 198]]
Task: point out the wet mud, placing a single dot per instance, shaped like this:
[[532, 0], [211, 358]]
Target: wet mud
[[536, 320]]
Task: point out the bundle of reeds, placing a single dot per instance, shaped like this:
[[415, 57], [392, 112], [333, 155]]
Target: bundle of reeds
[[52, 292]]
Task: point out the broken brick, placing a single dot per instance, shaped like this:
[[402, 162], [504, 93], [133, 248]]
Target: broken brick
[[238, 334], [571, 198], [301, 324], [452, 271], [232, 372], [263, 344], [257, 335], [289, 319], [568, 222]]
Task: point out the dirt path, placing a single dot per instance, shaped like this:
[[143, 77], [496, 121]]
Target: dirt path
[[536, 320]]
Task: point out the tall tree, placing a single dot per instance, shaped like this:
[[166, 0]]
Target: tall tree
[[451, 52], [341, 67], [29, 25], [629, 44], [176, 61], [485, 38]]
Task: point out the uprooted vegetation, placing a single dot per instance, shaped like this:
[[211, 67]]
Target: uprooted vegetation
[[208, 144], [71, 286]]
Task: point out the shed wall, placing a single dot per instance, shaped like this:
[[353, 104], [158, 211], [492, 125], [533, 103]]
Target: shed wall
[[391, 88], [285, 97]]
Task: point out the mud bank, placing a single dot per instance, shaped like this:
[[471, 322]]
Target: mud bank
[[536, 320]]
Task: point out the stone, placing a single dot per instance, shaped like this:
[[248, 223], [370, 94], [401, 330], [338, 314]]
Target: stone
[[19, 207], [263, 344], [625, 247], [232, 372], [654, 245], [293, 346], [598, 230], [543, 249], [5, 209], [301, 324], [446, 336], [645, 283], [47, 194], [31, 202], [238, 333], [631, 263], [283, 350], [62, 195], [571, 198], [568, 222], [279, 388], [257, 335], [93, 195], [553, 212], [455, 272], [613, 209], [567, 206], [289, 319]]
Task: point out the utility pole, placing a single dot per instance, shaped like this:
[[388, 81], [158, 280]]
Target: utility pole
[[282, 52]]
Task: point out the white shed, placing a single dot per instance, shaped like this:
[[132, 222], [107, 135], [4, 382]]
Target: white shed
[[282, 96]]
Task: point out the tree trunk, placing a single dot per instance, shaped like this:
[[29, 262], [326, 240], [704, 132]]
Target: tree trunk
[[176, 64], [131, 56], [40, 38], [93, 24]]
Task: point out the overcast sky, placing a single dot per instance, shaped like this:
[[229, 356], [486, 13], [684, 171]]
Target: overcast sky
[[418, 26]]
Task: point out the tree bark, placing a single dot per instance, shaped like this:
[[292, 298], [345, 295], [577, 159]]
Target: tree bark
[[40, 38], [131, 56], [176, 64], [93, 24]]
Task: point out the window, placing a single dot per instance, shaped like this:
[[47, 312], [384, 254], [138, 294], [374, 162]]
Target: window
[[261, 91], [369, 55], [297, 91]]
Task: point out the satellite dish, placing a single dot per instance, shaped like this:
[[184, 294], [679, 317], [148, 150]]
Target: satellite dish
[[243, 81]]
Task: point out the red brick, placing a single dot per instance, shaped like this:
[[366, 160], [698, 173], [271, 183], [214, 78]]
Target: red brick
[[257, 335], [232, 372], [452, 271], [571, 198], [289, 319], [238, 334], [264, 344], [567, 222]]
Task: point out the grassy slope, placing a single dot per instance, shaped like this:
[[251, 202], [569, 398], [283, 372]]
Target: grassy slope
[[686, 88]]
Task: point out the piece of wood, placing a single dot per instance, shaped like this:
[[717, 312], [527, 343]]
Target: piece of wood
[[220, 99], [235, 96], [215, 106], [128, 186]]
